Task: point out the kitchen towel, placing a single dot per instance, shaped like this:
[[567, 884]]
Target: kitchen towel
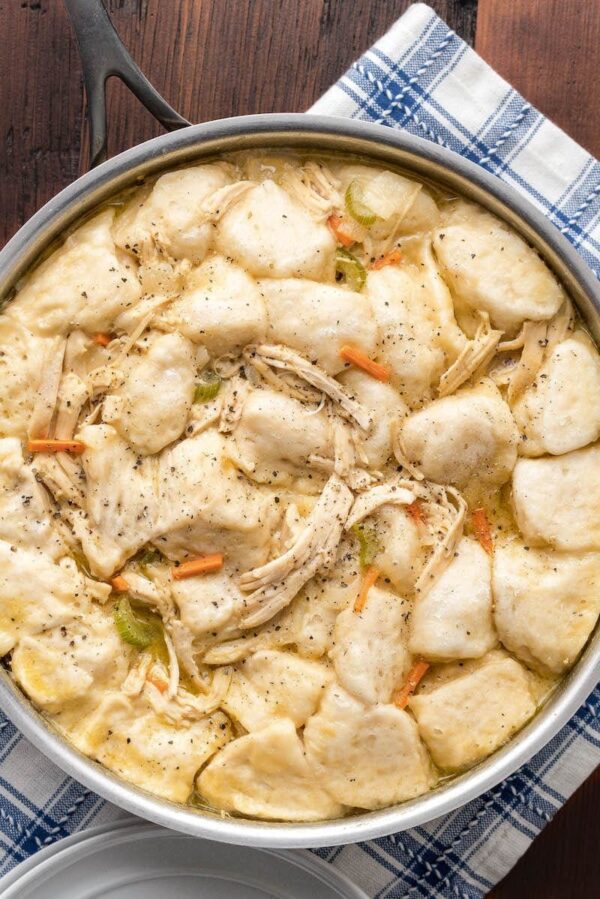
[[420, 77]]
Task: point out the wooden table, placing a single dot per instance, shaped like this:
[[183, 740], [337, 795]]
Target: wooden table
[[215, 58]]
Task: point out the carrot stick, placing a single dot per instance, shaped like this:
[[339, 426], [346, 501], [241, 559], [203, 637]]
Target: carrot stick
[[415, 511], [101, 339], [415, 674], [371, 575], [119, 584], [391, 258], [336, 225], [198, 566], [55, 446], [356, 357], [157, 682], [482, 530]]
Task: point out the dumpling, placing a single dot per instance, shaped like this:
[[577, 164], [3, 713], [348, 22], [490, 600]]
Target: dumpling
[[64, 664], [370, 653], [152, 407], [453, 619], [545, 604], [24, 508], [467, 716], [147, 750], [409, 332], [384, 405], [120, 502], [366, 756], [208, 603], [271, 685], [489, 267], [206, 505], [276, 435], [19, 372], [170, 215], [400, 557], [36, 594], [318, 319], [557, 500], [220, 308], [84, 284], [266, 775], [560, 411], [463, 439], [272, 235]]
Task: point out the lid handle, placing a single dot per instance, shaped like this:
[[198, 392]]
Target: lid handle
[[103, 55]]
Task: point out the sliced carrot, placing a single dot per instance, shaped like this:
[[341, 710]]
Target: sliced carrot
[[371, 575], [356, 357], [119, 584], [198, 566], [482, 530], [391, 258], [415, 674], [102, 339], [415, 511], [336, 225], [157, 682], [55, 446]]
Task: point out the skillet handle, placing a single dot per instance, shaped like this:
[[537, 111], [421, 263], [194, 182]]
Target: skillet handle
[[103, 55]]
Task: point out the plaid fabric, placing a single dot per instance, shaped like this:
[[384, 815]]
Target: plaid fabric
[[421, 77]]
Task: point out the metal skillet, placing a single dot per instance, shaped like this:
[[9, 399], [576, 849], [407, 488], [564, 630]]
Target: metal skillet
[[103, 55]]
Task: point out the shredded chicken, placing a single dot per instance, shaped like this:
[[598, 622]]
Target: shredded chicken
[[217, 204], [275, 584], [400, 452], [444, 513], [373, 499], [235, 393], [477, 353], [532, 356], [133, 684], [72, 397], [43, 412], [279, 356], [315, 186]]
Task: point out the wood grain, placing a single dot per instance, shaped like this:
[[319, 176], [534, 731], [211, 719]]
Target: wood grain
[[216, 58], [548, 49]]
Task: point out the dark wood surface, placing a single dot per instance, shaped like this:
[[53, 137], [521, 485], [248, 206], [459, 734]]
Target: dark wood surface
[[214, 58]]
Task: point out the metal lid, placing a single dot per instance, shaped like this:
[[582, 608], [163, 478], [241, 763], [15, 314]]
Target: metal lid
[[134, 860]]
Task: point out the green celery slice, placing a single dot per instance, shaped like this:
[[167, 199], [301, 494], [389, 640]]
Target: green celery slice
[[356, 206], [349, 270], [369, 545], [207, 388]]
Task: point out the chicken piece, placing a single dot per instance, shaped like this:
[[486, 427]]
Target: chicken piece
[[367, 756], [465, 439], [265, 775], [560, 411], [170, 217], [274, 585], [25, 514], [275, 437], [384, 405], [84, 284], [120, 504], [557, 500], [272, 235], [409, 330], [48, 387], [205, 505], [545, 604], [317, 320], [207, 604], [489, 267], [19, 370], [220, 308], [67, 663], [453, 619], [370, 652], [36, 594], [473, 712], [270, 685], [152, 407]]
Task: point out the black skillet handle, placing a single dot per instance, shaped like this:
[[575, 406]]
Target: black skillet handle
[[102, 55]]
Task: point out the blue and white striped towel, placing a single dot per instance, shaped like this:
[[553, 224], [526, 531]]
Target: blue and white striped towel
[[421, 77]]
